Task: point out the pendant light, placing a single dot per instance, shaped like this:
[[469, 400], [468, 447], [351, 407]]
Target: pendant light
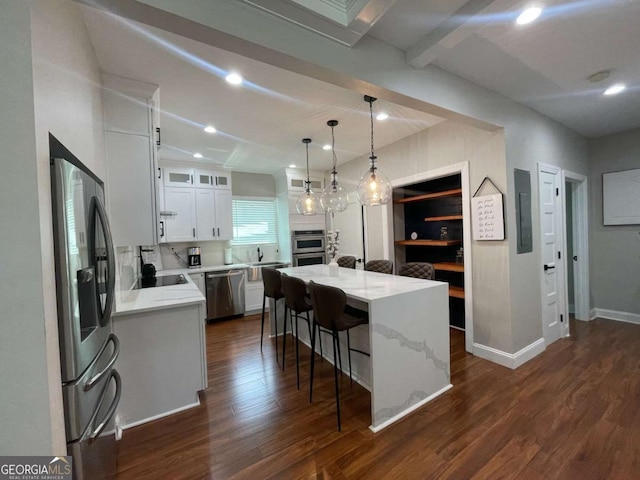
[[374, 187], [334, 197], [308, 202]]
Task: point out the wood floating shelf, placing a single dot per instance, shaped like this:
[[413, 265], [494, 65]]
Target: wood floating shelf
[[449, 266], [456, 292], [429, 243], [427, 196], [445, 217]]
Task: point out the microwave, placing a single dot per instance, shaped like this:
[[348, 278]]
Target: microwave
[[307, 241], [304, 259]]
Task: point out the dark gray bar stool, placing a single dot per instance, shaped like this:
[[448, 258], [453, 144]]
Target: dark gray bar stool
[[418, 270], [295, 299], [347, 262], [331, 312], [272, 289], [380, 266]]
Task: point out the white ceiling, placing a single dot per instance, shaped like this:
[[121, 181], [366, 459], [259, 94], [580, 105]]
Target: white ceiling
[[261, 124], [544, 65]]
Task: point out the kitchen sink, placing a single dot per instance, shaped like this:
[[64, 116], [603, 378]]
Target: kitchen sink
[[254, 271]]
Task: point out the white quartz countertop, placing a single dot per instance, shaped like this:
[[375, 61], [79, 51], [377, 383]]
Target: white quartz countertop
[[360, 284], [157, 298]]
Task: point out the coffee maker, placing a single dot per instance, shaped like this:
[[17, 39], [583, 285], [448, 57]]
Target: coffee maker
[[193, 254]]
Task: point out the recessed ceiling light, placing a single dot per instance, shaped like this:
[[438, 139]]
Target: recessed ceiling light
[[197, 155], [529, 15], [234, 79], [293, 165], [615, 89], [326, 147], [382, 116], [210, 129]]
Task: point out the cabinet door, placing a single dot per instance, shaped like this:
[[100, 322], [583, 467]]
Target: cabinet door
[[205, 178], [223, 180], [180, 205], [296, 182], [178, 177], [206, 214], [127, 113], [224, 216], [131, 189], [254, 292]]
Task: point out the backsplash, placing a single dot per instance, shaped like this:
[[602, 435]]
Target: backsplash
[[212, 253], [128, 268]]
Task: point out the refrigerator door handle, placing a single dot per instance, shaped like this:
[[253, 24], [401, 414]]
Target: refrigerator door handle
[[111, 264], [98, 376], [93, 431]]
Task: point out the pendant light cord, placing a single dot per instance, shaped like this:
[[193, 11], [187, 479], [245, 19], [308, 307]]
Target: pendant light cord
[[334, 172], [373, 156], [308, 180]]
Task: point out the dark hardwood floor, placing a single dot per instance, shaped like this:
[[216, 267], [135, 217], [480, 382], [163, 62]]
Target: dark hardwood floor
[[571, 413]]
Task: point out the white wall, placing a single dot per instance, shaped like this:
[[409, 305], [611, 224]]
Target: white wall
[[24, 398], [614, 271], [378, 69], [51, 85]]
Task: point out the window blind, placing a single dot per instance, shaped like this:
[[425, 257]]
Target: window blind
[[254, 221]]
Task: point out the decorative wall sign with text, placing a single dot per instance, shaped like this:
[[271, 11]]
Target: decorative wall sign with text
[[487, 215]]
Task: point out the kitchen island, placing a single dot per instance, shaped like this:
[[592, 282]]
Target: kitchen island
[[407, 336]]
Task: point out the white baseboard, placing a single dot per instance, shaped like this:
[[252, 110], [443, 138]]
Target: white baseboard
[[409, 410], [615, 315], [509, 360], [161, 415], [592, 314]]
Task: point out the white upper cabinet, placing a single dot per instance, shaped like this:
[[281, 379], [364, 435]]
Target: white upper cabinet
[[212, 208], [130, 151], [178, 177], [224, 217], [179, 214]]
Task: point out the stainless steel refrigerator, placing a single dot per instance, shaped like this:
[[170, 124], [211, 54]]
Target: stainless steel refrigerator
[[85, 285]]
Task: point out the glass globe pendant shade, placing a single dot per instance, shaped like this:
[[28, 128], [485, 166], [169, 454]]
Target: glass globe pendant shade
[[334, 198], [308, 203], [374, 188]]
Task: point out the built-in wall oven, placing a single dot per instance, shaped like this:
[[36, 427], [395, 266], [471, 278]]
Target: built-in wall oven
[[308, 247]]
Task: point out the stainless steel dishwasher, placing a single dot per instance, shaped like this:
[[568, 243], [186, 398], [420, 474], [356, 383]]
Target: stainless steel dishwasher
[[225, 293]]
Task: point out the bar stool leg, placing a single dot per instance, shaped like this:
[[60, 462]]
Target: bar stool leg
[[284, 335], [275, 314], [349, 355], [297, 352], [264, 301], [313, 355], [335, 375]]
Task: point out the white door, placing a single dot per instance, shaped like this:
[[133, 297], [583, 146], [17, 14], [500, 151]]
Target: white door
[[350, 224], [224, 215], [205, 214], [180, 214], [552, 241], [204, 178], [222, 180]]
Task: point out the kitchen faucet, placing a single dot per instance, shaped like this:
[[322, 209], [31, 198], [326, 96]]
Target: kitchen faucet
[[260, 255]]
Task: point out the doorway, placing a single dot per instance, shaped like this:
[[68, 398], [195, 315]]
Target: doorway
[[577, 247]]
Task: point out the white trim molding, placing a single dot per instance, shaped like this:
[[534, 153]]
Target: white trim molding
[[408, 411], [510, 360], [626, 317]]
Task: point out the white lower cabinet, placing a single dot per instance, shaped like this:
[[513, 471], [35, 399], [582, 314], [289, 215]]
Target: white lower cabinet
[[253, 293], [162, 362]]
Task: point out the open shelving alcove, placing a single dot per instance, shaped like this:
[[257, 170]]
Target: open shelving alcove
[[420, 211]]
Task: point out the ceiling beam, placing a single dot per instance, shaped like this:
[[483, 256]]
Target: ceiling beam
[[459, 26]]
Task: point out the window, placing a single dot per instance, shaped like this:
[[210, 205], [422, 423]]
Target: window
[[254, 221]]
